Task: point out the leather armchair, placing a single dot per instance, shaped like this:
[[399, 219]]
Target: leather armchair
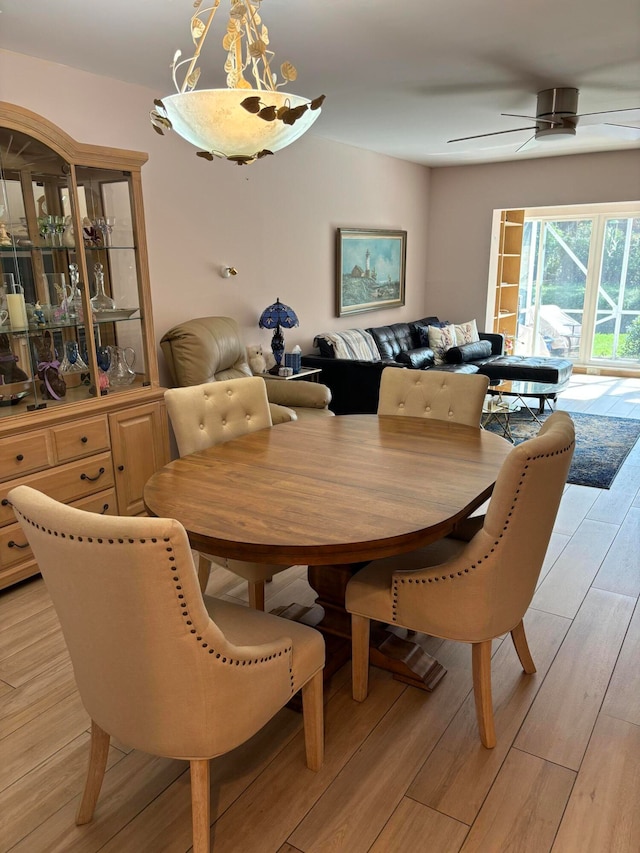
[[208, 349], [157, 666]]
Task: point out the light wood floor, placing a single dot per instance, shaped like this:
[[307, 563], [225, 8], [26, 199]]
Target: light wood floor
[[404, 771]]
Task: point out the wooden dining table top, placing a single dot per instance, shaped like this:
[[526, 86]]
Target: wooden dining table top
[[322, 491]]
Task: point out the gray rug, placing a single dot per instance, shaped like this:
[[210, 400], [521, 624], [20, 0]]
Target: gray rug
[[602, 444]]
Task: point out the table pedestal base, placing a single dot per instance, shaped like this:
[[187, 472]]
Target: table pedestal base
[[404, 656]]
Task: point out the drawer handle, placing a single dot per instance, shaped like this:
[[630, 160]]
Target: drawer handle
[[104, 509], [13, 544], [120, 467], [19, 457], [6, 502], [92, 479], [84, 439]]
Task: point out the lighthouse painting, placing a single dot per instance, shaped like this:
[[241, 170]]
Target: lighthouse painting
[[370, 270]]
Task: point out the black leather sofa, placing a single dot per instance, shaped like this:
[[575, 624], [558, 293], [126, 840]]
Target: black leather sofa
[[355, 385]]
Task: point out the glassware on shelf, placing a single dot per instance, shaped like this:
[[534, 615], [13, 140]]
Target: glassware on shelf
[[121, 370], [72, 361], [58, 230], [110, 222], [75, 297], [101, 302], [100, 227], [59, 298]]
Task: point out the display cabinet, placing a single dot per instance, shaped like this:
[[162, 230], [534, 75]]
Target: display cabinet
[[81, 411]]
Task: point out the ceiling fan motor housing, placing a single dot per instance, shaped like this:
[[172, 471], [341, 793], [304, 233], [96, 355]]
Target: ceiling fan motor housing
[[559, 105]]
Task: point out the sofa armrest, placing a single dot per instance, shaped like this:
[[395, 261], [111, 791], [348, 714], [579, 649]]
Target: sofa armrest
[[354, 385], [298, 394], [496, 339]]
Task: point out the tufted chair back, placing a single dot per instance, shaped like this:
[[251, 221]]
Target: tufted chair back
[[485, 589], [446, 396], [208, 414], [153, 667], [205, 349]]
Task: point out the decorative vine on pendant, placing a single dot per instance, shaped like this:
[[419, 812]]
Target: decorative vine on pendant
[[246, 41]]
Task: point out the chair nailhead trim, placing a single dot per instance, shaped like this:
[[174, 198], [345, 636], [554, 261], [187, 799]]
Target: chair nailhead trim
[[181, 602], [396, 582]]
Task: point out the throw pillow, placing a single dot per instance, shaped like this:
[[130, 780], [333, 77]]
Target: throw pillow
[[468, 352], [417, 358], [466, 333], [440, 340]]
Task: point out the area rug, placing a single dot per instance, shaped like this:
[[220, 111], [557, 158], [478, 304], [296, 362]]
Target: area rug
[[602, 444]]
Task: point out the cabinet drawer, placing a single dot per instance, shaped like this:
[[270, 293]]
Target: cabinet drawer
[[13, 546], [23, 454], [66, 483], [103, 503], [75, 440]]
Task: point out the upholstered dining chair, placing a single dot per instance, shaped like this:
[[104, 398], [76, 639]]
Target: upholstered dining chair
[[440, 394], [204, 415], [157, 666], [473, 591]]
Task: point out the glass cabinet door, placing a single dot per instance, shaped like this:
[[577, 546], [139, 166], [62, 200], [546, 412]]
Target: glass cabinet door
[[71, 316]]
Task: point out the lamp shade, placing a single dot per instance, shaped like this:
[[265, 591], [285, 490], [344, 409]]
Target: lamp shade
[[276, 315], [214, 120]]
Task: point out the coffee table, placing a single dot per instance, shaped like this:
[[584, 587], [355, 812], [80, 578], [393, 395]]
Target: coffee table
[[522, 391]]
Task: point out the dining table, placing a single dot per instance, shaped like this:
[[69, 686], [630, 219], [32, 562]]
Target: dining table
[[334, 494]]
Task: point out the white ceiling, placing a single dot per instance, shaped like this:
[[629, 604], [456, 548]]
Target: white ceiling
[[401, 77]]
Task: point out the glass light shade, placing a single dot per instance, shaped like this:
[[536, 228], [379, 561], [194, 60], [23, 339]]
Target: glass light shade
[[213, 120]]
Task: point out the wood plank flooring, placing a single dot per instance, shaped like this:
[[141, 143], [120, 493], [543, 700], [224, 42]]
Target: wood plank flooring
[[404, 771]]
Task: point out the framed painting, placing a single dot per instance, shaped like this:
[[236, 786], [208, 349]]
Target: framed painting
[[370, 270]]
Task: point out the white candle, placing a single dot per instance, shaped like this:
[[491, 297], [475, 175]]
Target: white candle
[[17, 312]]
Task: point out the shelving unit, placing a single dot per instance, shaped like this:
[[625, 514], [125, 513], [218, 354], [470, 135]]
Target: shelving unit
[[71, 215], [507, 290]]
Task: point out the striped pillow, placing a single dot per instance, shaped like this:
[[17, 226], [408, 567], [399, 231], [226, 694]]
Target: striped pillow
[[355, 344]]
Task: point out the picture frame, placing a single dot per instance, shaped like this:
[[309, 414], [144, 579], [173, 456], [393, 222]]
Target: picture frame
[[370, 269]]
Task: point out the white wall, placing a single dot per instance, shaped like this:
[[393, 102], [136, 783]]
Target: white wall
[[462, 200], [275, 220]]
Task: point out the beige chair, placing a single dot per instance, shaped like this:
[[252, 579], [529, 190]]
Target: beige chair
[[158, 667], [477, 590], [440, 394], [204, 415], [210, 348]]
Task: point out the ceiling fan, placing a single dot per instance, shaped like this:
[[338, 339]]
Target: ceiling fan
[[557, 117]]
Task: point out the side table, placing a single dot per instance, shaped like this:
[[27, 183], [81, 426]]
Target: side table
[[310, 373]]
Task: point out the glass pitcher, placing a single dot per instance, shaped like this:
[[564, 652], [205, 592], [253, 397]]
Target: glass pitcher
[[121, 370]]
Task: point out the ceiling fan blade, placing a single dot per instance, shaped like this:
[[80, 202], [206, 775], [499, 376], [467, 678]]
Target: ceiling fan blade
[[607, 112], [530, 143], [495, 133], [531, 118]]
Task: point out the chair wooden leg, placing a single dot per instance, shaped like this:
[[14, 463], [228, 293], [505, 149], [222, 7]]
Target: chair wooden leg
[[95, 773], [204, 570], [201, 805], [313, 713], [522, 648], [481, 658], [359, 657], [256, 595]]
